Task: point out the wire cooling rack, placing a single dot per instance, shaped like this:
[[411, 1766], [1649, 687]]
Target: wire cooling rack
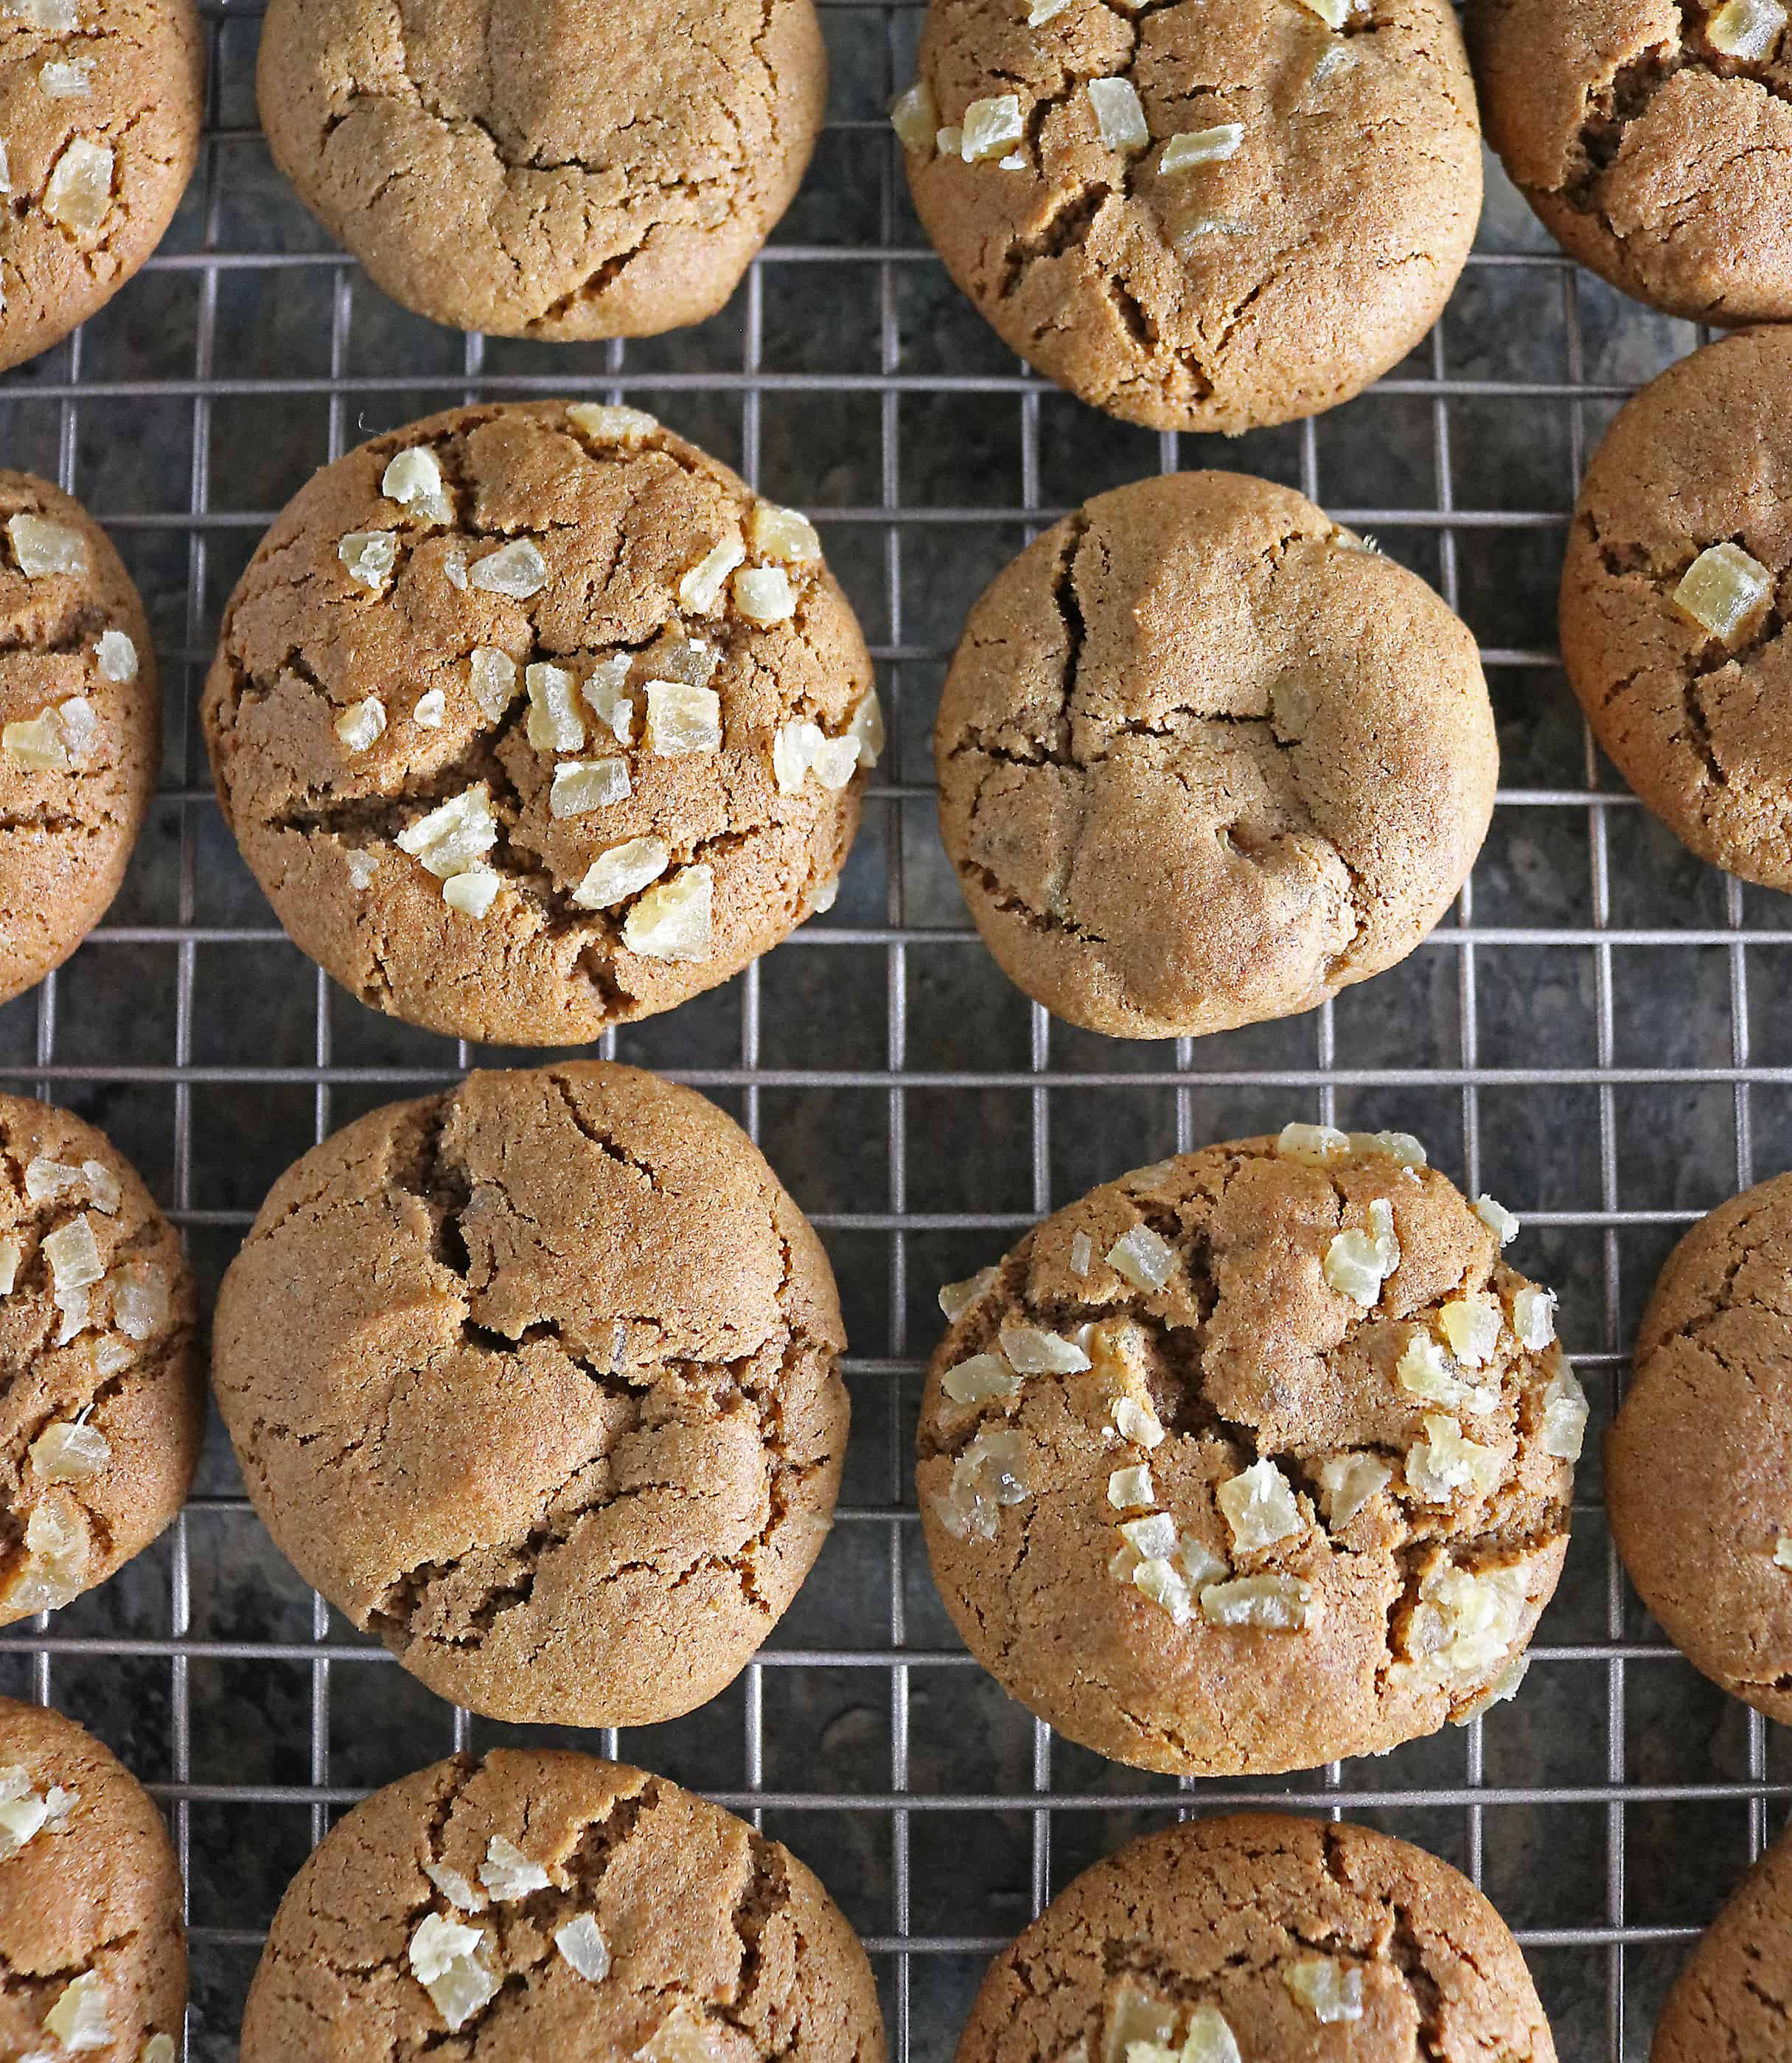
[[1597, 1035]]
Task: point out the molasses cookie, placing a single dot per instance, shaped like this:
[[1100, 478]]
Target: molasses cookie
[[1730, 1999], [538, 1380], [1206, 758], [1254, 1459], [550, 171], [530, 720], [1199, 218], [80, 726], [101, 1399], [1674, 599], [1258, 1936], [549, 1905]]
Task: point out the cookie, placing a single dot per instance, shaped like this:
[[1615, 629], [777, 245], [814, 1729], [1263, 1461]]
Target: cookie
[[1199, 218], [101, 103], [1673, 594], [552, 170], [1254, 1459], [82, 737], [532, 720], [548, 1904], [93, 1954], [102, 1398], [538, 1380], [1259, 1936], [1205, 759], [1730, 1998], [1654, 142]]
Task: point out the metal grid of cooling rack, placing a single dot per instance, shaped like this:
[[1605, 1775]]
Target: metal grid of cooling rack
[[1461, 1797]]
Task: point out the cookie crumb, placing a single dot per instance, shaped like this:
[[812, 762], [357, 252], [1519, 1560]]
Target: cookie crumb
[[622, 871]]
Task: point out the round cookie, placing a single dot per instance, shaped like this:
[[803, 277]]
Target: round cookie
[[1262, 1936], [101, 103], [538, 1380], [93, 1953], [1686, 686], [547, 1905], [1699, 1458], [553, 171], [1252, 1460], [1199, 217], [82, 739], [1654, 142], [1730, 1998], [102, 1397], [1205, 759], [504, 642]]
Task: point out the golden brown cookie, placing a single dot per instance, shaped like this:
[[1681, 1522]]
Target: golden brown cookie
[[1262, 1937], [531, 719], [1206, 759], [102, 1398], [1199, 217], [81, 736], [1673, 595], [547, 1905], [1253, 1459], [1734, 1998], [1655, 140], [1699, 1462], [538, 1380], [552, 170], [93, 1954]]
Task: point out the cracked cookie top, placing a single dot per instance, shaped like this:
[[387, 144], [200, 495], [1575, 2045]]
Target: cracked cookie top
[[1734, 1997], [548, 1904], [1206, 758], [80, 724], [532, 719], [1699, 1460], [538, 1380], [102, 1397], [1253, 1459], [552, 170], [101, 102], [1654, 140], [1199, 214], [1260, 1935], [1675, 595], [93, 1954]]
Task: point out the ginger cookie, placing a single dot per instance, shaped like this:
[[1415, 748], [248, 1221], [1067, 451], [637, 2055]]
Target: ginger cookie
[[1673, 600], [552, 170], [1653, 140], [1699, 1462], [102, 1398], [93, 1953], [531, 719], [80, 726], [1254, 1459], [1731, 1999], [1257, 1935], [546, 1905], [1199, 217], [1205, 758], [101, 102], [538, 1380]]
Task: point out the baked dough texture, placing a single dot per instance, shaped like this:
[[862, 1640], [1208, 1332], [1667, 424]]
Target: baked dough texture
[[553, 169], [538, 1380], [1204, 759], [1308, 1940], [468, 651], [67, 829], [102, 1397], [1339, 1573], [89, 1902], [1734, 1998], [1701, 728], [101, 102], [1652, 155], [1299, 258], [712, 1941]]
